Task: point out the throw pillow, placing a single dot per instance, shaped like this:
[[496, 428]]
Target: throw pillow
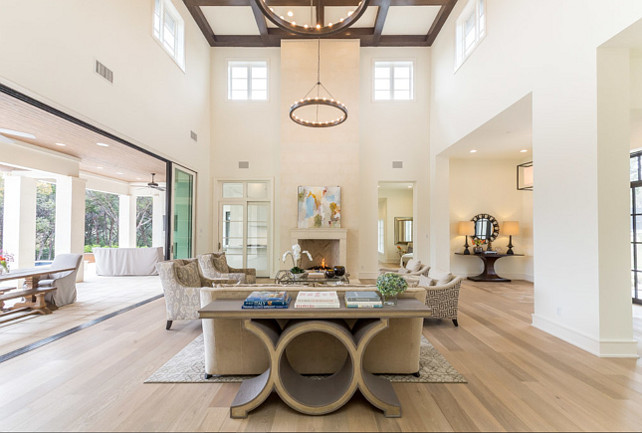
[[220, 263], [413, 265], [440, 278], [424, 281], [403, 271], [187, 275]]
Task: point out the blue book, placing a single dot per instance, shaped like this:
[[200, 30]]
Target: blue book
[[267, 299]]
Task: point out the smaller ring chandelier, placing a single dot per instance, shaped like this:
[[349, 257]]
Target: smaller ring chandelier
[[320, 29], [317, 101]]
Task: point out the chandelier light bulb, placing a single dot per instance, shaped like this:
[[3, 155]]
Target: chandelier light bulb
[[318, 26], [290, 13]]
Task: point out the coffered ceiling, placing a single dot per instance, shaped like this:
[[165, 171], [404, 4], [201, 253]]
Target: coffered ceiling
[[393, 23]]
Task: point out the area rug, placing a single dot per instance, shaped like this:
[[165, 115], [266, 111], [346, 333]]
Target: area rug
[[188, 366]]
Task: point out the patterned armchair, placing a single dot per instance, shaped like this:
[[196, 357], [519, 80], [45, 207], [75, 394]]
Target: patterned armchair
[[215, 266], [444, 300], [182, 281], [410, 272]]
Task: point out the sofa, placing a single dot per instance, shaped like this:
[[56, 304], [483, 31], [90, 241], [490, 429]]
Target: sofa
[[232, 350]]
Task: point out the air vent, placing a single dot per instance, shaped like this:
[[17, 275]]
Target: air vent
[[104, 72], [244, 164], [193, 135], [397, 164]]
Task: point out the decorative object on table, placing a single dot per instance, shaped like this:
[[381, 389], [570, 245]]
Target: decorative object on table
[[265, 299], [5, 259], [390, 286], [326, 299], [318, 102], [466, 228], [525, 176], [477, 245], [400, 251], [339, 271], [363, 300], [307, 21], [510, 228], [295, 255], [319, 207], [329, 273]]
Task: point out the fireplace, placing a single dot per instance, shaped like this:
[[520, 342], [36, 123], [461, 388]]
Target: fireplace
[[328, 243]]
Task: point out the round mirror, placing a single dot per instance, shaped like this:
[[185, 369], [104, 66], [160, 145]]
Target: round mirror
[[486, 227]]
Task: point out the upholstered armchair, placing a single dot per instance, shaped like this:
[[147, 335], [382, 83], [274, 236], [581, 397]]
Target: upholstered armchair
[[410, 272], [64, 282], [444, 299], [182, 282], [215, 266]]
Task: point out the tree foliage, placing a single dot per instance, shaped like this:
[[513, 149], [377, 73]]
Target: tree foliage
[[144, 212], [45, 220], [101, 219]]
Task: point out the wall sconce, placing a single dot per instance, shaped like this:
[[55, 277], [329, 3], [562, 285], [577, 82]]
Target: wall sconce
[[466, 228], [525, 176], [510, 228]]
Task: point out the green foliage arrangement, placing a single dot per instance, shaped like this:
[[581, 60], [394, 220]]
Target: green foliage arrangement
[[391, 285], [297, 270]]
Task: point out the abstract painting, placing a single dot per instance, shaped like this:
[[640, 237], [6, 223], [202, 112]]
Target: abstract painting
[[319, 207]]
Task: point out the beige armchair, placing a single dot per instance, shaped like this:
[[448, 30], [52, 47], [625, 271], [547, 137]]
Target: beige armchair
[[215, 266], [182, 281], [444, 299], [410, 272]]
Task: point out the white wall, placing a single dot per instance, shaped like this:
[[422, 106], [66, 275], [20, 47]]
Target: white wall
[[488, 186], [49, 50], [559, 66]]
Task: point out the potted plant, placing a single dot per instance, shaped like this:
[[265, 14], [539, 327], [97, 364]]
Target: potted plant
[[5, 258], [295, 254], [477, 249], [389, 286]]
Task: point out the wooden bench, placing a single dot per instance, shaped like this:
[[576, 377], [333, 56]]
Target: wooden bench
[[34, 302]]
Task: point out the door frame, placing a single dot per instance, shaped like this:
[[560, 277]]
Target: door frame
[[170, 206]]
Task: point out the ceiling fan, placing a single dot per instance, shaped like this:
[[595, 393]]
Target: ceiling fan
[[153, 184]]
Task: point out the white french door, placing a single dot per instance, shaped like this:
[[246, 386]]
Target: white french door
[[245, 226]]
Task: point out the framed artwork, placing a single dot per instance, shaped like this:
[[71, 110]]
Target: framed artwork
[[319, 207]]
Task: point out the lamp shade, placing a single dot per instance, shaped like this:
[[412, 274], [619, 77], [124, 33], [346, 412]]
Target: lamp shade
[[466, 228], [510, 228]]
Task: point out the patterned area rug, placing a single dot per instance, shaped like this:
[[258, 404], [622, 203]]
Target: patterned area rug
[[188, 366]]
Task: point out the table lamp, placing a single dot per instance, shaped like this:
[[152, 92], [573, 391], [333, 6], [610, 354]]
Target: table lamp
[[466, 228], [510, 228]]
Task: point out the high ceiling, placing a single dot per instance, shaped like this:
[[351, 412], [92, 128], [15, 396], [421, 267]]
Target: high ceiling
[[392, 23]]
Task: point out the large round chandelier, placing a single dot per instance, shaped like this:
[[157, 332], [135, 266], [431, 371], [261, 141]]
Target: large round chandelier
[[318, 101], [314, 27]]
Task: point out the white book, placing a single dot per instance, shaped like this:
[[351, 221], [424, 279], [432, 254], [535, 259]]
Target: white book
[[325, 299]]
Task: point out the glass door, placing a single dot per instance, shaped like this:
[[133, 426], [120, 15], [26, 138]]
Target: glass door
[[183, 215], [245, 225], [636, 228]]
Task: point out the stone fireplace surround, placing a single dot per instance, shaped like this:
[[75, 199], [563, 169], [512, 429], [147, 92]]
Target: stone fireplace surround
[[328, 243]]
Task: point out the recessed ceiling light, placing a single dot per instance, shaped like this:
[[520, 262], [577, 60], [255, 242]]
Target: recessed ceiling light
[[61, 144], [103, 144], [16, 133], [139, 178], [473, 151], [524, 150], [409, 186], [99, 168], [119, 172]]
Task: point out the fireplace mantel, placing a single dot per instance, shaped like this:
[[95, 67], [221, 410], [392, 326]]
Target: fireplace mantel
[[340, 235]]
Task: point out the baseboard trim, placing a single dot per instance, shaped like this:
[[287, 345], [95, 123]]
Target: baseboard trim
[[601, 348]]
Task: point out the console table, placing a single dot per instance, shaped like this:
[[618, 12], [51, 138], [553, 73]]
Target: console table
[[489, 274], [304, 394]]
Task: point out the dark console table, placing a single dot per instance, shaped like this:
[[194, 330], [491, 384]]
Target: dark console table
[[489, 274]]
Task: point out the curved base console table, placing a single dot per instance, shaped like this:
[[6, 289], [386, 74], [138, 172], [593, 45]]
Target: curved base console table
[[489, 274], [304, 394]]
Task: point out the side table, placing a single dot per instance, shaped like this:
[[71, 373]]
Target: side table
[[489, 274]]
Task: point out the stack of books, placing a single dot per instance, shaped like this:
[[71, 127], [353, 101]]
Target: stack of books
[[317, 300], [363, 300], [260, 300]]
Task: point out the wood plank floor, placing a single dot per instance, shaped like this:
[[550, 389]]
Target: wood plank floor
[[520, 379]]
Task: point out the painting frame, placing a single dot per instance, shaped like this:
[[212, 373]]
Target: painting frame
[[318, 207]]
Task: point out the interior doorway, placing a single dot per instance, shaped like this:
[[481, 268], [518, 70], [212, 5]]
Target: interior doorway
[[395, 223]]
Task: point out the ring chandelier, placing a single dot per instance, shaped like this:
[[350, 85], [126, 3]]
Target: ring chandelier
[[317, 101], [320, 29]]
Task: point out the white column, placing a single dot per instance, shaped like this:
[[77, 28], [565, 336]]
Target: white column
[[127, 221], [70, 217], [158, 213], [19, 228], [440, 213]]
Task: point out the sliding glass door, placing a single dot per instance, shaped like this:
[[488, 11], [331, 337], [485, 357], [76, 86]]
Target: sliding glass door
[[636, 228], [183, 214]]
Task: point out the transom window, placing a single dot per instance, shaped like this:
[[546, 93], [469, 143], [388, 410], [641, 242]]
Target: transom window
[[169, 30], [393, 81], [470, 30], [247, 81]]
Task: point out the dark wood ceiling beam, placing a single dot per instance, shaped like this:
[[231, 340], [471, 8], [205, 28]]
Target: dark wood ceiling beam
[[307, 2], [201, 22], [439, 22], [367, 40], [260, 20], [351, 33], [382, 13]]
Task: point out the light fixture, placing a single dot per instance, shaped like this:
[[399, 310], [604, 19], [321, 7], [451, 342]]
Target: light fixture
[[61, 144], [16, 133], [473, 151], [524, 150], [410, 186], [525, 176], [510, 228], [103, 144], [466, 228], [312, 28], [119, 172], [318, 101], [99, 168]]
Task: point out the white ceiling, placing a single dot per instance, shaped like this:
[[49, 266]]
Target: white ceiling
[[502, 137], [401, 20]]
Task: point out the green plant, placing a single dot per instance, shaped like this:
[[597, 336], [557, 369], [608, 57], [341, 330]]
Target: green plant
[[391, 284], [297, 270]]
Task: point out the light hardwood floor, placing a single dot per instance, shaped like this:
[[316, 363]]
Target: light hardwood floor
[[520, 379]]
